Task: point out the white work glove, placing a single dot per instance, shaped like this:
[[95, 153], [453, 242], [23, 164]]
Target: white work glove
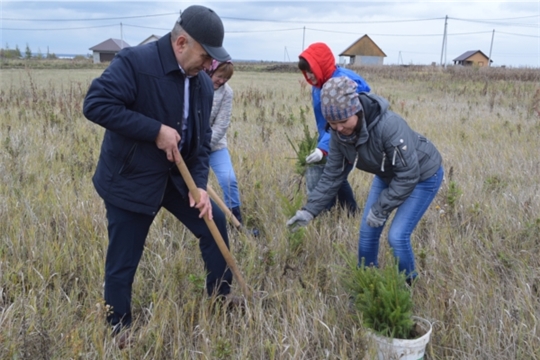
[[302, 218], [375, 220], [316, 156]]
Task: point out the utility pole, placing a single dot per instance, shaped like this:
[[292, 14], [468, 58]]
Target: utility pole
[[121, 36], [286, 55], [303, 38], [444, 41], [491, 48], [445, 51], [400, 59]]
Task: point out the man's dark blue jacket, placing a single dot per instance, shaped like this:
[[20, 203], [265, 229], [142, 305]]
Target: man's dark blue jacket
[[142, 88]]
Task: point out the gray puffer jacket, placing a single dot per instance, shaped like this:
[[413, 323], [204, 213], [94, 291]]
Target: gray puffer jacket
[[387, 147]]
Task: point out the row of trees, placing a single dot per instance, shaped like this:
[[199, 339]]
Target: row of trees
[[8, 53]]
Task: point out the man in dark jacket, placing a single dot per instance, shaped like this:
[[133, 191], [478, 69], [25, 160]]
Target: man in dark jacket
[[155, 102]]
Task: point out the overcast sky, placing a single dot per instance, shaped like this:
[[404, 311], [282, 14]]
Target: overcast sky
[[409, 32]]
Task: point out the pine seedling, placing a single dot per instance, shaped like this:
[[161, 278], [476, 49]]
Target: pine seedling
[[304, 148], [381, 296]]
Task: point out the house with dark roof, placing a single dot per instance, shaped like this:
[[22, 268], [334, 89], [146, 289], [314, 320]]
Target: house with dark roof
[[364, 51], [106, 50], [473, 58]]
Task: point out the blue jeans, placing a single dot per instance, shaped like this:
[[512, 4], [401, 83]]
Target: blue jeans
[[220, 162], [407, 216]]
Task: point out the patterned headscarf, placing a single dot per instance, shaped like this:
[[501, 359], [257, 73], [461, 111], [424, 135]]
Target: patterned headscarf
[[214, 66]]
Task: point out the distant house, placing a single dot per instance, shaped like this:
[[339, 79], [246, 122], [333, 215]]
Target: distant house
[[150, 39], [106, 50], [364, 51], [473, 57]]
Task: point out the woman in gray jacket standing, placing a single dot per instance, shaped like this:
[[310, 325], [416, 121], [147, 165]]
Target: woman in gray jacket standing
[[220, 119], [407, 167]]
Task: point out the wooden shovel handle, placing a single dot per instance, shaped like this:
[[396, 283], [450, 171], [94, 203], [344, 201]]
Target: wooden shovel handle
[[223, 207], [186, 175]]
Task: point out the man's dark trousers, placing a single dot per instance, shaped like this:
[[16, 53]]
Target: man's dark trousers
[[127, 235]]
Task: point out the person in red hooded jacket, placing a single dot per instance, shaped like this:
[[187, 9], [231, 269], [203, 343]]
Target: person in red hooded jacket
[[317, 64]]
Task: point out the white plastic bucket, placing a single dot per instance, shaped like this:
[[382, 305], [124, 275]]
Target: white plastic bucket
[[404, 349]]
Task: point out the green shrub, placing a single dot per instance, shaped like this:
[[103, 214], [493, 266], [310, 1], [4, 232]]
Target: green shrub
[[382, 298], [304, 148]]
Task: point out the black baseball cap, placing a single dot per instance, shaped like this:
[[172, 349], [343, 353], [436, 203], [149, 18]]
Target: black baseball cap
[[205, 26]]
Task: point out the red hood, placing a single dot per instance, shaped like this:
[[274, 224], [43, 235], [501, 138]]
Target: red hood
[[321, 61]]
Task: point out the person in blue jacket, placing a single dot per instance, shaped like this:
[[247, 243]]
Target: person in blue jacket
[[155, 103], [318, 65]]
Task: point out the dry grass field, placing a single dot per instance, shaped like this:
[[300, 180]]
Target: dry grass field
[[477, 247]]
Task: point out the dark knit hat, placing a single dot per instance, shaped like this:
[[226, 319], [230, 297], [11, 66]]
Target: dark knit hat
[[339, 99], [205, 26]]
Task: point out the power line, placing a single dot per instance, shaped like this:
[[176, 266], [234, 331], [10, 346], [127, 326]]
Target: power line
[[500, 19], [270, 30], [527, 25], [507, 33], [273, 20], [147, 27], [259, 31], [61, 29], [227, 31], [397, 35], [357, 33], [87, 27], [230, 18], [142, 27], [277, 20], [469, 33], [328, 22], [95, 19]]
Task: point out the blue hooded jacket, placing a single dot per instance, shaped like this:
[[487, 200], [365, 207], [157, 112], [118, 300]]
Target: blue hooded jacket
[[322, 64]]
